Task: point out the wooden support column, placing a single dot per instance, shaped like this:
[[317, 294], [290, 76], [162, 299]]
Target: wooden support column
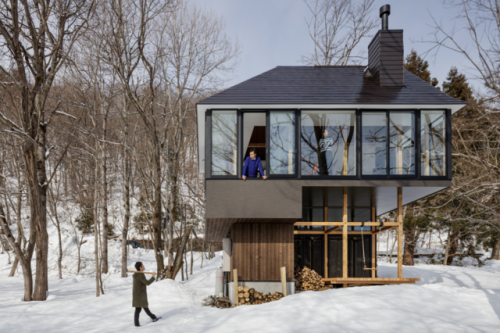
[[400, 232], [344, 234], [374, 254], [325, 218]]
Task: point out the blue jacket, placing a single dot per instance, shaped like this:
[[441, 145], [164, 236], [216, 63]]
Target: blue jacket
[[250, 167]]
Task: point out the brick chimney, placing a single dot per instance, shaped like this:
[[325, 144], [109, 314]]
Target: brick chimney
[[386, 54]]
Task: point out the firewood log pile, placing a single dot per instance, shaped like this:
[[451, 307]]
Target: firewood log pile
[[249, 296], [307, 279], [217, 302]]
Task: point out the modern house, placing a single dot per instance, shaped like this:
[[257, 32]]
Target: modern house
[[340, 145]]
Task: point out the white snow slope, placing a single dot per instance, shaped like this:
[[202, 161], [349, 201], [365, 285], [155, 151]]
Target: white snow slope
[[448, 299]]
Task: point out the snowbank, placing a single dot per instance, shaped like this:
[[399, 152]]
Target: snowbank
[[448, 299]]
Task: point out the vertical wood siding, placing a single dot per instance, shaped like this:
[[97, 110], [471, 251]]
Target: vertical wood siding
[[260, 250]]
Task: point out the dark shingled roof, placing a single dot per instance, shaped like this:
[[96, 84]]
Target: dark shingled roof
[[327, 85]]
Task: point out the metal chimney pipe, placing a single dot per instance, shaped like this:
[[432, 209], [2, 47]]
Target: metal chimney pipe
[[385, 11]]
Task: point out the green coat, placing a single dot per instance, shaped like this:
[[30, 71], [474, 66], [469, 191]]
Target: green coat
[[139, 291]]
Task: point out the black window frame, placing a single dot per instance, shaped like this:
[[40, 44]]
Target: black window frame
[[208, 144], [358, 151], [448, 156], [356, 148]]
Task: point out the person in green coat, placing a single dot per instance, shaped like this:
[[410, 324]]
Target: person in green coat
[[140, 293]]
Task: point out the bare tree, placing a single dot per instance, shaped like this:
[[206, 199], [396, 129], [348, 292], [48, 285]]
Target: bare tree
[[36, 37], [479, 123], [336, 28]]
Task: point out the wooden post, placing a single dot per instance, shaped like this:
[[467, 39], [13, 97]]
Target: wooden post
[[400, 232], [344, 234], [235, 282], [427, 170], [283, 280], [374, 217], [325, 218]]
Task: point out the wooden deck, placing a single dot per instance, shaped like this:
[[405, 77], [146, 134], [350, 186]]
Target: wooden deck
[[368, 281]]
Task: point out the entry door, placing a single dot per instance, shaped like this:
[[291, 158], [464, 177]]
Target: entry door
[[334, 257], [309, 251], [354, 256]]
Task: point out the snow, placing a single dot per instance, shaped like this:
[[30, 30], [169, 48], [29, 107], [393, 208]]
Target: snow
[[448, 299]]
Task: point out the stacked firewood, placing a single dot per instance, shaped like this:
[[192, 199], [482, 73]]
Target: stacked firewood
[[307, 279], [217, 302], [248, 296]]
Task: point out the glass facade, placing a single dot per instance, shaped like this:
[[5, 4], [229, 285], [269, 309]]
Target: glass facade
[[316, 201], [402, 143], [373, 143], [432, 143], [224, 143], [282, 143], [328, 143], [324, 142]]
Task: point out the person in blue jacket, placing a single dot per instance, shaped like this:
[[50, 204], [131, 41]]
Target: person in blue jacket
[[252, 164]]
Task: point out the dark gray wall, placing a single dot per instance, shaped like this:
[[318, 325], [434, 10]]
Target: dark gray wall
[[282, 198], [386, 58], [253, 198]]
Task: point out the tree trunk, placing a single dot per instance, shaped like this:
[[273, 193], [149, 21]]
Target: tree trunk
[[172, 272], [453, 245], [96, 232], [445, 261], [79, 260], [192, 260], [126, 200], [104, 202], [59, 258], [34, 155], [14, 267], [25, 262], [409, 246], [495, 253], [202, 253], [392, 248], [157, 216]]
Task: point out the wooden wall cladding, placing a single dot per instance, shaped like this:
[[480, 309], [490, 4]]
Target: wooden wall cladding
[[216, 229], [260, 250]]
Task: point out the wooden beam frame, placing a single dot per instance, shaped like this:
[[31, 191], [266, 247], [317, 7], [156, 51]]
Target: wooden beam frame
[[321, 232], [400, 232], [344, 234], [350, 224], [333, 229], [325, 217], [373, 219], [382, 230], [371, 280]]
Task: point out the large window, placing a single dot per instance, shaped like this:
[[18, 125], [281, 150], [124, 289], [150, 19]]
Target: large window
[[432, 143], [224, 143], [391, 144], [318, 201], [328, 143], [402, 143], [374, 144], [282, 143]]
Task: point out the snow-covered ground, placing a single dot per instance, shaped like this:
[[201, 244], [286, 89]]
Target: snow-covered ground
[[448, 299]]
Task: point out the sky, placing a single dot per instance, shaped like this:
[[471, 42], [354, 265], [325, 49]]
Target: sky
[[274, 33]]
